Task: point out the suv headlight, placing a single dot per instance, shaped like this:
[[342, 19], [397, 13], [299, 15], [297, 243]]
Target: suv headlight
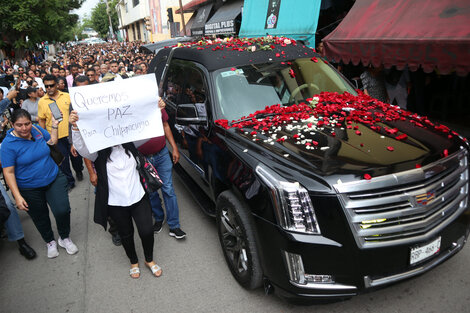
[[291, 201]]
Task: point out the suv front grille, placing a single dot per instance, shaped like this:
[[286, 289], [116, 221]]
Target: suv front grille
[[407, 206]]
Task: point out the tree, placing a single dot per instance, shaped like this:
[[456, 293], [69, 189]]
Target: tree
[[100, 20], [24, 23]]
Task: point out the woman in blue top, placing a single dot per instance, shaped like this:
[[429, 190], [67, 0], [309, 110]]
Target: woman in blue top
[[35, 179]]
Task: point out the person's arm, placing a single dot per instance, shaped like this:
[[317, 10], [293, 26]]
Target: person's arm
[[42, 122], [4, 103], [91, 172], [9, 174], [54, 132], [77, 139], [171, 140]]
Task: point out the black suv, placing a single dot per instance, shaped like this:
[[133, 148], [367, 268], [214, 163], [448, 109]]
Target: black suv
[[318, 191]]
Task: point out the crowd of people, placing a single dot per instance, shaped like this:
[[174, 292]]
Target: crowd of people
[[38, 182]]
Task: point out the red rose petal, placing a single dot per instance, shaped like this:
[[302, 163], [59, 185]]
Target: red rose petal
[[253, 133], [367, 176], [446, 152], [401, 137], [418, 165], [233, 69], [358, 133], [390, 148]]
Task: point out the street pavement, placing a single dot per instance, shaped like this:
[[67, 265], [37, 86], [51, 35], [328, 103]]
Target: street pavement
[[195, 277]]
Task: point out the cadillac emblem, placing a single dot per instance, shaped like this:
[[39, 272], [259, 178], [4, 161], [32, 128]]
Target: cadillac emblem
[[425, 198]]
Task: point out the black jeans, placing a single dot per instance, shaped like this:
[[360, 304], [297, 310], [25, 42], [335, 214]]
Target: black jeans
[[55, 194], [141, 212]]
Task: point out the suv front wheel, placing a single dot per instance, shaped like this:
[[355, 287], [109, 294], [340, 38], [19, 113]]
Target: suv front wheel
[[237, 237]]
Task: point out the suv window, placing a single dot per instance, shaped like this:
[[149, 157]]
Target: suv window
[[245, 89], [185, 84]]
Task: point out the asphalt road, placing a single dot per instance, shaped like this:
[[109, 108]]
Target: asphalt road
[[195, 277]]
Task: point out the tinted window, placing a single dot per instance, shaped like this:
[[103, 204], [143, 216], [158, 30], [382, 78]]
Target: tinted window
[[243, 90], [185, 84]]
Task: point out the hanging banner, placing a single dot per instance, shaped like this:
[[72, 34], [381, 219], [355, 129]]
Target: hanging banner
[[117, 112], [273, 14]]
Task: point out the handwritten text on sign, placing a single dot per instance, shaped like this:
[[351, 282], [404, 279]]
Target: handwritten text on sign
[[117, 112]]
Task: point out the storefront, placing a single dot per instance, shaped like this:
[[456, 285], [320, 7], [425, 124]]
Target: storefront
[[226, 20], [202, 15]]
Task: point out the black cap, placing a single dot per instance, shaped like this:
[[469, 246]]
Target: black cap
[[30, 90]]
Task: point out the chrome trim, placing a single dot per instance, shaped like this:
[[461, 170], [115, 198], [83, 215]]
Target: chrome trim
[[325, 286], [456, 246], [402, 178], [409, 206]]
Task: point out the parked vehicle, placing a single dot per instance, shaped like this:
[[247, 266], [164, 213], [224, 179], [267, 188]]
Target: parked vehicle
[[318, 191]]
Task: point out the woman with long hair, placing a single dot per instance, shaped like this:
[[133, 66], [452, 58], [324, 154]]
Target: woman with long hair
[[121, 196]]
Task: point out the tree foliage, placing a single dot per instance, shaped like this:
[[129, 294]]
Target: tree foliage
[[37, 20], [100, 20]]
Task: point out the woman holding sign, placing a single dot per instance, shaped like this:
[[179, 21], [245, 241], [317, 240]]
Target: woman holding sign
[[121, 196]]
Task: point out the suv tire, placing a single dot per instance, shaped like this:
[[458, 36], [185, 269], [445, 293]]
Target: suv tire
[[238, 240]]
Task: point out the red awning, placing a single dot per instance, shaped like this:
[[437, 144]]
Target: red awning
[[427, 33], [192, 5]]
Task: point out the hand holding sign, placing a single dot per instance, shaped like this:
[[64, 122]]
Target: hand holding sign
[[117, 112]]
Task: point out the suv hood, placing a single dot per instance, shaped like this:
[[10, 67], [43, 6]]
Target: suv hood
[[346, 140]]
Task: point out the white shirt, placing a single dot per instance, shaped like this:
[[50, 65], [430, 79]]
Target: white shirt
[[124, 184]]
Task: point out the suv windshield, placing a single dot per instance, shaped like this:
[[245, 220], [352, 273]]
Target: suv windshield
[[243, 90]]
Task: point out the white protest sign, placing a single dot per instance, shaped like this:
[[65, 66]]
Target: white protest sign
[[117, 112]]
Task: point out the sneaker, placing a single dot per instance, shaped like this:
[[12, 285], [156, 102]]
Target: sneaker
[[157, 227], [177, 233], [68, 245], [52, 251]]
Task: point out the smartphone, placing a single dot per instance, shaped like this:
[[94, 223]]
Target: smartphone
[[55, 111]]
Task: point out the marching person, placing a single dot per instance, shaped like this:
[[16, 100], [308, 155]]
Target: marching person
[[45, 121], [157, 153], [121, 196], [35, 179]]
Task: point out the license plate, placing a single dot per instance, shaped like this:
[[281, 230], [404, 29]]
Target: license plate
[[423, 252]]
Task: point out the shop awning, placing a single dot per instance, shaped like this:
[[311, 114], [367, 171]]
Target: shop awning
[[296, 19], [223, 20], [192, 6], [197, 29], [427, 33]]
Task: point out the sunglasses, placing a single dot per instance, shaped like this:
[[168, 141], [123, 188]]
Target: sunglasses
[[90, 75], [49, 86]]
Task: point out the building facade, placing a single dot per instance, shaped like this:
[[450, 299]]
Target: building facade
[[150, 20]]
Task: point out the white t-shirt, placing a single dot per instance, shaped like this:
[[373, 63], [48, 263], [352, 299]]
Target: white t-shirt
[[124, 184]]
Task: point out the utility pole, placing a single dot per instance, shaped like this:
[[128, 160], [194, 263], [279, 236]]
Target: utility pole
[[109, 17], [182, 18]]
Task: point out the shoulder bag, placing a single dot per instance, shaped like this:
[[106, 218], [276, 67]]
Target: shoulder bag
[[148, 174], [56, 155]]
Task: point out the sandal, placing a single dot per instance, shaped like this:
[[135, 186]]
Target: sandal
[[134, 271], [155, 268]]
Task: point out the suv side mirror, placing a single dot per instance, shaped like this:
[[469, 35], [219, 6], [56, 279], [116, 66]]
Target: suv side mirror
[[187, 114]]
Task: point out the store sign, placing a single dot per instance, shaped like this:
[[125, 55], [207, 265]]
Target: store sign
[[272, 16], [224, 27]]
